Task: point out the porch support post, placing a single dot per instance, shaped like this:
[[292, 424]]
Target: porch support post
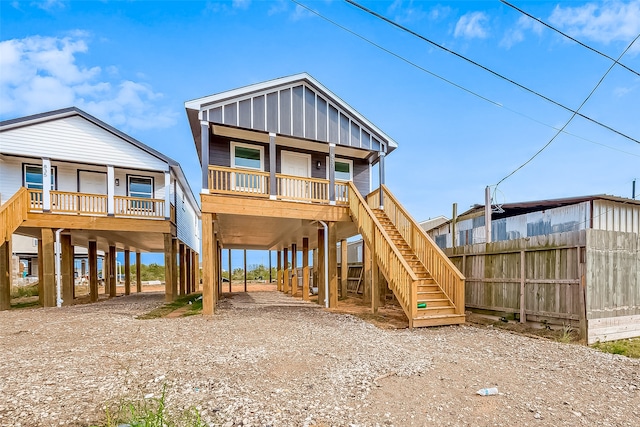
[[174, 267], [279, 272], [320, 268], [209, 290], [167, 195], [294, 270], [366, 276], [287, 276], [230, 271], [332, 173], [93, 270], [66, 266], [138, 274], [272, 166], [315, 267], [245, 270], [219, 270], [204, 156], [270, 278], [168, 276], [333, 265], [112, 271], [344, 268], [40, 272], [375, 277], [105, 272], [127, 272], [46, 184], [5, 273], [305, 268], [187, 270], [48, 268], [196, 272], [183, 270], [111, 190], [381, 156]]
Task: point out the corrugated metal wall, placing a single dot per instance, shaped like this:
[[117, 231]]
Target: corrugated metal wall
[[615, 216], [296, 110]]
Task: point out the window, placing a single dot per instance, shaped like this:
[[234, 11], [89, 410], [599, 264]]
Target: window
[[140, 186], [33, 176], [247, 156], [344, 170]]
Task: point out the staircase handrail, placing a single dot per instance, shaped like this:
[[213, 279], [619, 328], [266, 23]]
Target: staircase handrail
[[393, 265], [13, 213], [443, 271]]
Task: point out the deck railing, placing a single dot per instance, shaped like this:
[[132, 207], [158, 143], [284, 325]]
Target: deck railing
[[225, 180], [12, 213], [96, 204], [443, 271], [394, 267], [137, 206], [233, 181]]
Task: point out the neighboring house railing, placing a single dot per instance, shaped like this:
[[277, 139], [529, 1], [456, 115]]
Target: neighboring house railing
[[96, 204], [451, 281], [225, 180]]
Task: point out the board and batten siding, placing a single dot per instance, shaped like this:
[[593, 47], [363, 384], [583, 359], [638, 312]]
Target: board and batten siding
[[187, 226], [615, 216], [613, 285], [78, 140]]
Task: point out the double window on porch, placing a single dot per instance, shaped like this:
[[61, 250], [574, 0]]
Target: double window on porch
[[247, 176]]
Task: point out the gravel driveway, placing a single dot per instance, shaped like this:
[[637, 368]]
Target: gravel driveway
[[268, 359]]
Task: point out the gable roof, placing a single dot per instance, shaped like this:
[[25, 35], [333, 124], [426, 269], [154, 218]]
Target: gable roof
[[74, 111], [297, 106]]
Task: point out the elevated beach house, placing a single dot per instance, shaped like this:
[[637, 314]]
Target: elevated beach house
[[287, 166], [69, 178]]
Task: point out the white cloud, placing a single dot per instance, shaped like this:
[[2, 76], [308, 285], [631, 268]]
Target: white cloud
[[602, 22], [241, 4], [471, 25], [516, 35], [49, 5], [40, 74], [403, 12]]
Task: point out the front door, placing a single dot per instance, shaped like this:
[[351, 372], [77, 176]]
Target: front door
[[90, 182], [295, 165]]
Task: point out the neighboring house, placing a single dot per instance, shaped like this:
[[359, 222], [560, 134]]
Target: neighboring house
[[286, 165], [431, 223], [573, 262], [67, 176]]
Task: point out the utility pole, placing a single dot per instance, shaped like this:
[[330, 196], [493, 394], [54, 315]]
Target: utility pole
[[487, 213], [633, 190]]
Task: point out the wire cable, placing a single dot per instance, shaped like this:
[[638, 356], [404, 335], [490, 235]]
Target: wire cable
[[573, 115], [500, 76], [568, 36], [484, 98]]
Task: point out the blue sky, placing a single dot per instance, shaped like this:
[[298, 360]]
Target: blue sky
[[133, 64]]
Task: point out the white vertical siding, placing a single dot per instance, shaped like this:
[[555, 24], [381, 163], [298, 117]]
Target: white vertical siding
[[188, 230], [78, 140], [614, 216]]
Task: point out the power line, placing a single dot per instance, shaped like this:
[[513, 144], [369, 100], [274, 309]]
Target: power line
[[484, 98], [500, 76], [567, 36], [573, 115]]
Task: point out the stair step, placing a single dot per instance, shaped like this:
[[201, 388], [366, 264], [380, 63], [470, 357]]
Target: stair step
[[435, 311], [432, 303], [440, 320]]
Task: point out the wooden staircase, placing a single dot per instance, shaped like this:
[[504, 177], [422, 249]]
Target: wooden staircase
[[432, 305], [13, 213], [428, 286]]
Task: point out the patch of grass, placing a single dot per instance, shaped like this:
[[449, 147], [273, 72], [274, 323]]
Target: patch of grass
[[174, 305], [149, 413], [629, 347], [24, 291], [25, 304]]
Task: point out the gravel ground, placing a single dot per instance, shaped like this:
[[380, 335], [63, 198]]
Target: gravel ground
[[267, 359]]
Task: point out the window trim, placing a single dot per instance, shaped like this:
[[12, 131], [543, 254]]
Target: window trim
[[54, 175], [342, 160], [235, 144], [153, 186]]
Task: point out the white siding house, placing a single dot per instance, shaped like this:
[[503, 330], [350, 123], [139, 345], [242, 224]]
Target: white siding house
[[97, 184]]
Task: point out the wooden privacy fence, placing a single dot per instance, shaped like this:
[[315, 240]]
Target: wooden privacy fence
[[443, 271], [539, 279], [392, 264]]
